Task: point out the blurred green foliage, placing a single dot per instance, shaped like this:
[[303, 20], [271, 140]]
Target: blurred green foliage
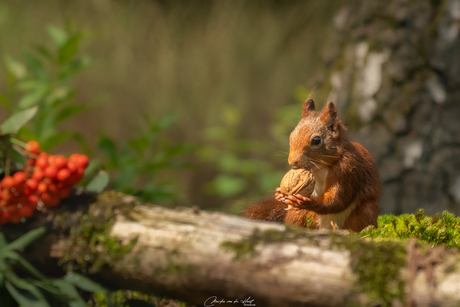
[[42, 80], [194, 59], [241, 164], [141, 166], [248, 168], [32, 288], [41, 91]]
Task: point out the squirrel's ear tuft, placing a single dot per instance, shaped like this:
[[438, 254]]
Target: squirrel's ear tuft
[[329, 114], [308, 105]]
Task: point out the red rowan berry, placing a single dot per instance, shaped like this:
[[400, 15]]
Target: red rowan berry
[[72, 166], [42, 161], [33, 200], [50, 172], [32, 147], [8, 182], [52, 188], [31, 184], [38, 174], [83, 161], [63, 174], [6, 195], [76, 176], [19, 178], [51, 159], [31, 162], [42, 187], [74, 157], [60, 162]]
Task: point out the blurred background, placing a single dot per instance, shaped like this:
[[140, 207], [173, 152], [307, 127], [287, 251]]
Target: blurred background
[[192, 102]]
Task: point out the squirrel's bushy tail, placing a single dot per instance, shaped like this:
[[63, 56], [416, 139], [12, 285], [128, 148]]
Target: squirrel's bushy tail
[[267, 210], [275, 211]]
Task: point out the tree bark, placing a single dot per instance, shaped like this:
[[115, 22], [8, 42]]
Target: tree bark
[[393, 72], [197, 256]]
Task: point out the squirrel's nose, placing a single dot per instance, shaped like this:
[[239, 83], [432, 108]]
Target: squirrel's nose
[[294, 159]]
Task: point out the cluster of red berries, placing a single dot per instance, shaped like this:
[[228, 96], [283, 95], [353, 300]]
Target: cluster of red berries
[[45, 180]]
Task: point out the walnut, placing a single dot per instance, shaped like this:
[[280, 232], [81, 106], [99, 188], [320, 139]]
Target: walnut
[[298, 181]]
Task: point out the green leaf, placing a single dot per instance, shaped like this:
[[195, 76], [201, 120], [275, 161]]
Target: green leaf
[[31, 98], [81, 141], [71, 292], [16, 70], [26, 133], [107, 145], [69, 49], [99, 182], [3, 242], [47, 286], [58, 95], [27, 239], [58, 36], [70, 111], [25, 297], [25, 293], [25, 264], [44, 52], [74, 67], [35, 66], [6, 298], [83, 282], [28, 84], [93, 168], [54, 140], [17, 120], [140, 145], [3, 265]]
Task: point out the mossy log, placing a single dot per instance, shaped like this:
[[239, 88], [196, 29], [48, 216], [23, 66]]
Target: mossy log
[[197, 256]]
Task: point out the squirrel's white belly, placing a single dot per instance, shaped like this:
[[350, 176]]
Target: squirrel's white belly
[[320, 181], [325, 221]]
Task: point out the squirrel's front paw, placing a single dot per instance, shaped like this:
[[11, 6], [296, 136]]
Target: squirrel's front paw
[[293, 202], [280, 196], [297, 201]]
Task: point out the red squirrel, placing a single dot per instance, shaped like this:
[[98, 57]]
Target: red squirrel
[[347, 185]]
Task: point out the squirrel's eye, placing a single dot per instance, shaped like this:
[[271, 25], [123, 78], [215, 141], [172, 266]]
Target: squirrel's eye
[[316, 140]]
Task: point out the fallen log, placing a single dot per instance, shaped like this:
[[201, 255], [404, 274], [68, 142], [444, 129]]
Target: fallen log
[[217, 259]]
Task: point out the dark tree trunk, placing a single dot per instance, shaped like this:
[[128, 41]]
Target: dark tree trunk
[[395, 75]]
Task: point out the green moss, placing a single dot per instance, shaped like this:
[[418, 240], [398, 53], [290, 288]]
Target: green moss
[[377, 266], [308, 222], [377, 262], [432, 230], [89, 245]]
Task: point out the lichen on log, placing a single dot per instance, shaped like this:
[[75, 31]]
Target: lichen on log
[[193, 255]]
